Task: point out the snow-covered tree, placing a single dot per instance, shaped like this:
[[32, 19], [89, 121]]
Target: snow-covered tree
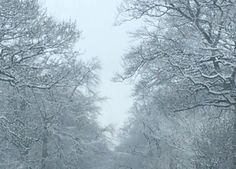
[[49, 102], [190, 43]]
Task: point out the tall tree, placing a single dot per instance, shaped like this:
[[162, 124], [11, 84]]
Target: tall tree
[[188, 42], [49, 102]]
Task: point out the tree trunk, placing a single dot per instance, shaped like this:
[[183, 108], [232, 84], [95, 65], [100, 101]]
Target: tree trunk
[[44, 147], [234, 140]]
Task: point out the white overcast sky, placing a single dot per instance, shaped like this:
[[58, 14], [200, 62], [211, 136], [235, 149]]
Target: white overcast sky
[[101, 39]]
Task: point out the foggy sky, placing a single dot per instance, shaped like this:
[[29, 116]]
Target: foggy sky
[[95, 18]]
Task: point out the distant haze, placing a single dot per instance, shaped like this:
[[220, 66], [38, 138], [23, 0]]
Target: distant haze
[[106, 42]]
